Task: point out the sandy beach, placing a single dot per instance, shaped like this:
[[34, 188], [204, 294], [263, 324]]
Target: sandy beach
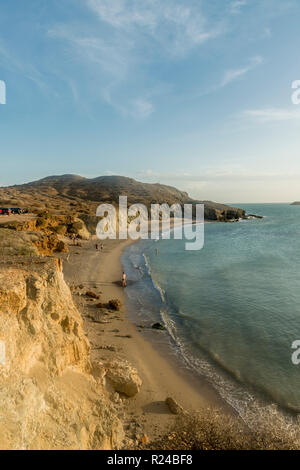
[[116, 336]]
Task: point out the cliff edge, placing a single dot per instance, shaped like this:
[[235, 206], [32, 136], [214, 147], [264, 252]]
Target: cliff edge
[[48, 397]]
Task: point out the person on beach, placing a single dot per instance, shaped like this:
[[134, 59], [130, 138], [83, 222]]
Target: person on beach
[[96, 246], [123, 279], [102, 246]]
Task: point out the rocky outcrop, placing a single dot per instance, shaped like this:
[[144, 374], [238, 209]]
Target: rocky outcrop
[[221, 212], [123, 377], [49, 244], [48, 397], [51, 225], [77, 227], [113, 304]]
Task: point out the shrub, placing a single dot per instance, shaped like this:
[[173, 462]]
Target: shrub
[[214, 430]]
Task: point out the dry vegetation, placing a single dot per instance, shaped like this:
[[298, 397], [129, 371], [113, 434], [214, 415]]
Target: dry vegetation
[[14, 243], [211, 430]]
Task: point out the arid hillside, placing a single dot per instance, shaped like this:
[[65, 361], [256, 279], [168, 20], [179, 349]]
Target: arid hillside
[[76, 195]]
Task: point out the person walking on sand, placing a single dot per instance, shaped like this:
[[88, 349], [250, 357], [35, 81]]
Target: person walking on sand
[[123, 279], [102, 246]]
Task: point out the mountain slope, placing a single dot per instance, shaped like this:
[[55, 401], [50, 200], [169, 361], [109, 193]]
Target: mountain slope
[[76, 194]]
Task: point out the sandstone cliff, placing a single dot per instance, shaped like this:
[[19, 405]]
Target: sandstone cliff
[[48, 397]]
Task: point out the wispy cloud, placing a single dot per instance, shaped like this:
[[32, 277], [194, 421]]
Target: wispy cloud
[[12, 62], [273, 114], [234, 74], [125, 37], [236, 6], [177, 27], [108, 54], [142, 108], [138, 108], [267, 33]]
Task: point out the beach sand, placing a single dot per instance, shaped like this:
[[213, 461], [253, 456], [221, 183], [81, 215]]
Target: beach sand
[[162, 376]]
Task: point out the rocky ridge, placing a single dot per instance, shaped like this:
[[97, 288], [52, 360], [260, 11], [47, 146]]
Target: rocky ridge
[[80, 196]]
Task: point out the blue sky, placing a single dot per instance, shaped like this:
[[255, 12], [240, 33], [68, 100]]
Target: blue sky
[[192, 93]]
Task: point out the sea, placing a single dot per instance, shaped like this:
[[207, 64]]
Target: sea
[[232, 309]]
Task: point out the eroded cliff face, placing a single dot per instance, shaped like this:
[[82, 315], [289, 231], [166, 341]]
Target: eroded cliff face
[[48, 397]]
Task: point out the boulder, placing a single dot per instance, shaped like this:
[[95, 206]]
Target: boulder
[[78, 227], [114, 304], [92, 295], [101, 305], [173, 406], [158, 326], [123, 377]]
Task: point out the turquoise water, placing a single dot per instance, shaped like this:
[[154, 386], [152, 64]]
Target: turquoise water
[[232, 308]]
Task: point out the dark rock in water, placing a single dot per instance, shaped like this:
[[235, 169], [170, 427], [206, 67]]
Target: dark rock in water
[[158, 326]]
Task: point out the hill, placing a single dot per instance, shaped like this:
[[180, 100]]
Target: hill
[[76, 195]]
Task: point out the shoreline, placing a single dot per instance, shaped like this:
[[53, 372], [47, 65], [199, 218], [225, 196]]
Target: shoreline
[[119, 337]]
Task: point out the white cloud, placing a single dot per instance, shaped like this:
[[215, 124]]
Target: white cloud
[[142, 108], [121, 14], [176, 27], [233, 74], [236, 6], [273, 114]]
